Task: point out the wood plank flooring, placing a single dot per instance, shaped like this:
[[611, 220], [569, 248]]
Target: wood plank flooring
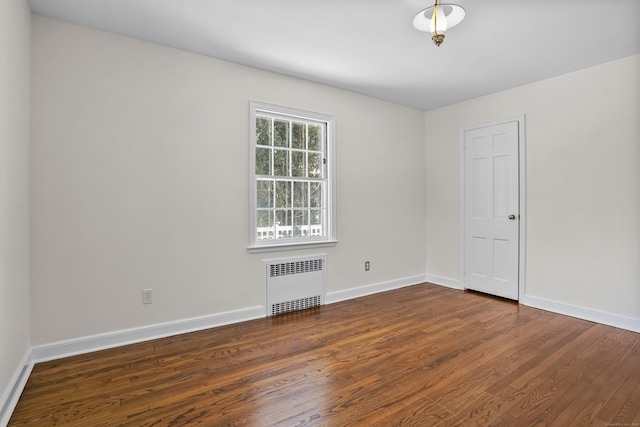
[[418, 356]]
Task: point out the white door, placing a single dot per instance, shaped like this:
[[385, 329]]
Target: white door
[[491, 209]]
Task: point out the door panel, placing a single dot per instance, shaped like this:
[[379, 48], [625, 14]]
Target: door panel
[[491, 198], [479, 257]]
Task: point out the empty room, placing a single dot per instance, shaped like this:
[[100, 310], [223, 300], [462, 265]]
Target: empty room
[[337, 213]]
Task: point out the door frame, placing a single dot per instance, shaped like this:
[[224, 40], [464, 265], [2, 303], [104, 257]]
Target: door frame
[[520, 119]]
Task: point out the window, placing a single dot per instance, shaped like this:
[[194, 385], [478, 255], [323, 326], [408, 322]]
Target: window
[[291, 178]]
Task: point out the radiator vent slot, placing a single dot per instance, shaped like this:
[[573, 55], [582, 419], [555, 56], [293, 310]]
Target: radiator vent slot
[[294, 284], [297, 267], [299, 304]]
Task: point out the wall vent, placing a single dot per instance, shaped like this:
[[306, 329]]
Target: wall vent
[[299, 304], [294, 284]]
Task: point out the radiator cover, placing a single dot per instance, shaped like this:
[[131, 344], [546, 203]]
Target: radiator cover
[[294, 284]]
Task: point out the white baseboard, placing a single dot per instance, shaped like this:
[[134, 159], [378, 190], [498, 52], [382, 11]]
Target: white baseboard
[[10, 396], [72, 347], [591, 315], [82, 345], [444, 281], [362, 291], [61, 349], [582, 313], [88, 344]]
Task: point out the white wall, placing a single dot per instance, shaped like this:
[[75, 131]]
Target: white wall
[[582, 178], [140, 180], [15, 21]]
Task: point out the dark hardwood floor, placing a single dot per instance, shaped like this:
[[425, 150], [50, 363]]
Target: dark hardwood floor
[[418, 356]]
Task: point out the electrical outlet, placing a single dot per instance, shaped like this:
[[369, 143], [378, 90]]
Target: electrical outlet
[[147, 296], [367, 266]]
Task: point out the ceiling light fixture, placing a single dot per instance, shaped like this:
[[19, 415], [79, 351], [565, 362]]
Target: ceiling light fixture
[[437, 19]]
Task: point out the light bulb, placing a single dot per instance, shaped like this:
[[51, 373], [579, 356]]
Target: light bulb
[[438, 23]]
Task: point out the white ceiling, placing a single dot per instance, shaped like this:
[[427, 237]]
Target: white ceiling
[[371, 47]]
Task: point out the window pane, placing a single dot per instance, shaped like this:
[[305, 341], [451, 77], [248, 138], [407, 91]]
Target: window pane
[[298, 163], [283, 218], [281, 133], [300, 191], [263, 131], [264, 225], [265, 218], [315, 198], [315, 165], [264, 191], [283, 194], [315, 223], [300, 223], [316, 217], [298, 137], [283, 224], [263, 161], [281, 163], [315, 136]]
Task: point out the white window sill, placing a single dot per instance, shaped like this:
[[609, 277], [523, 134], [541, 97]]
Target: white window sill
[[291, 246]]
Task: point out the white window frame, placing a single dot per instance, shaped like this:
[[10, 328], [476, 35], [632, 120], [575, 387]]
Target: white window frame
[[329, 239]]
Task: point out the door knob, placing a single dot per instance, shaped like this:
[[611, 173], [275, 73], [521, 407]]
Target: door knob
[[512, 217]]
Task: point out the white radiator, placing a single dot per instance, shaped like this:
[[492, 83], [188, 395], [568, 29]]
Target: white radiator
[[294, 284]]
